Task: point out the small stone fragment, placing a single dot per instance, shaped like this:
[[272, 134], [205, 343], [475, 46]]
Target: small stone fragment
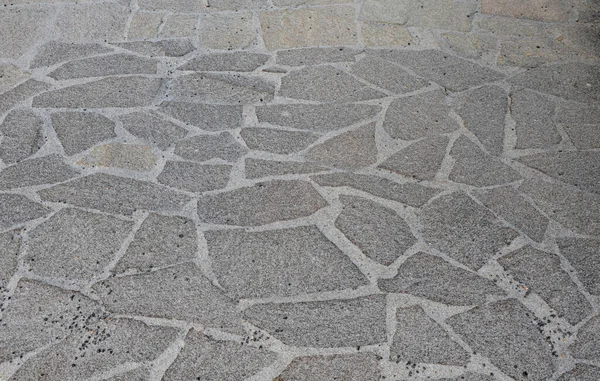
[[21, 135], [16, 209], [54, 52], [152, 129], [40, 171], [118, 155], [389, 77], [194, 177], [582, 254], [78, 131], [348, 367], [315, 56], [256, 168], [277, 141], [206, 147], [205, 116], [421, 160], [534, 116], [587, 346], [237, 61]]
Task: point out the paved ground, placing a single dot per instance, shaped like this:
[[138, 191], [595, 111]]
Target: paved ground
[[300, 190]]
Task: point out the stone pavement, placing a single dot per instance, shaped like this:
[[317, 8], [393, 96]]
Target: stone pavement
[[300, 190]]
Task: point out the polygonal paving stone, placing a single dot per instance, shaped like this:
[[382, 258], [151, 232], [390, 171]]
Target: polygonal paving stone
[[17, 209], [348, 367], [544, 10], [277, 141], [329, 323], [237, 61], [20, 93], [119, 155], [581, 122], [169, 48], [582, 254], [474, 167], [419, 116], [279, 263], [115, 194], [206, 147], [161, 241], [505, 332], [178, 25], [421, 160], [581, 372], [221, 88], [262, 203], [91, 22], [587, 346], [325, 84], [10, 76], [383, 34], [22, 28], [79, 131], [204, 116], [40, 171], [256, 168], [194, 177], [113, 64], [433, 278], [464, 230], [315, 56], [541, 272], [534, 116], [227, 31], [419, 339], [218, 5], [152, 129], [180, 292], [10, 245], [203, 358], [389, 77], [22, 135]]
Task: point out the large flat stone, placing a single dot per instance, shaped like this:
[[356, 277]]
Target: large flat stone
[[144, 25], [79, 131], [152, 129], [113, 64], [21, 29], [348, 367], [581, 122], [40, 171], [179, 25], [198, 7], [227, 31], [542, 10], [256, 168], [587, 346], [16, 209], [389, 77], [421, 160], [315, 56], [535, 119], [582, 254], [10, 76], [205, 116], [194, 177], [20, 93], [21, 135], [277, 141], [10, 245], [237, 61], [135, 157], [206, 147], [91, 22], [174, 47], [54, 52]]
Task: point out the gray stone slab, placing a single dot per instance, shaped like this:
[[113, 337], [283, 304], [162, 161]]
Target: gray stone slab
[[40, 171], [464, 230], [506, 333], [325, 117], [419, 116], [262, 203], [581, 372], [179, 292], [21, 28], [582, 254], [79, 131], [152, 129], [113, 64], [433, 278], [54, 52], [91, 22], [20, 93], [386, 76], [325, 84], [115, 194], [587, 346], [535, 119], [469, 376], [581, 122], [542, 273], [331, 323], [198, 7], [131, 91], [474, 167], [135, 157], [168, 48], [277, 141], [161, 241], [221, 88], [236, 61], [256, 168], [139, 374], [10, 245], [206, 147], [16, 209], [21, 135], [348, 367], [205, 116], [279, 263], [315, 56], [421, 160], [194, 177]]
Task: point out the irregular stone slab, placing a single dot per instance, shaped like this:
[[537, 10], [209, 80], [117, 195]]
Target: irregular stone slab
[[144, 25], [420, 160], [541, 272], [534, 117], [291, 3], [10, 245], [326, 117], [193, 7], [10, 76], [277, 141], [119, 155], [510, 205], [194, 177], [581, 122], [471, 46], [90, 22], [351, 150], [114, 64], [389, 77], [152, 129], [464, 230], [575, 81], [21, 28], [79, 131], [16, 209], [419, 116], [178, 25], [534, 52], [180, 292], [473, 167], [256, 168], [419, 339], [107, 92], [20, 93], [279, 263], [221, 88], [204, 116], [579, 168], [75, 245], [115, 194], [350, 367], [322, 324], [44, 170], [483, 111], [587, 346], [384, 34], [542, 10], [504, 332], [227, 31], [581, 372], [139, 374], [379, 232], [21, 135], [262, 203], [582, 254], [54, 52], [206, 147], [236, 61], [408, 193], [161, 241], [315, 56], [169, 48], [325, 84], [433, 278]]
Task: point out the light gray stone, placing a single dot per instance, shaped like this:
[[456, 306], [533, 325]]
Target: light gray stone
[[16, 209], [133, 157], [206, 147], [194, 177], [168, 48], [178, 25], [10, 245], [277, 141], [11, 75], [199, 7], [152, 129], [221, 88], [581, 372], [581, 122], [79, 131], [330, 323], [262, 203], [386, 76], [21, 28], [228, 31], [587, 346], [315, 56], [139, 374], [113, 64], [21, 135], [348, 367], [421, 160], [582, 254], [205, 116], [256, 168], [236, 61], [20, 93], [535, 119], [54, 52], [91, 22], [40, 171]]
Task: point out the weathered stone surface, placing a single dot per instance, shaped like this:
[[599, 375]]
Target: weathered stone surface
[[587, 346], [139, 374], [331, 323], [582, 254], [115, 194], [420, 160], [206, 147], [54, 52], [20, 93], [198, 7], [535, 119], [316, 117], [21, 28], [79, 131], [504, 332], [349, 150], [470, 376], [376, 34], [102, 66], [91, 22], [152, 129], [227, 31], [389, 77], [277, 141], [194, 177], [263, 203], [350, 367], [16, 209], [325, 84], [10, 76], [541, 272], [170, 48], [21, 135], [474, 167], [180, 292], [10, 245], [237, 61], [407, 193], [44, 170], [419, 339], [419, 116], [542, 10], [581, 372], [315, 56], [256, 168], [179, 25], [464, 230], [119, 155], [205, 116], [107, 92], [291, 3], [536, 51], [431, 277], [279, 263], [161, 241], [144, 25], [581, 122], [470, 45]]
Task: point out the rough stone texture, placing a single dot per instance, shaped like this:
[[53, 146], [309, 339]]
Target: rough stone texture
[[163, 48], [22, 135], [152, 129], [179, 25], [237, 61], [20, 93], [256, 168], [196, 7], [21, 28], [206, 147], [54, 52], [44, 170], [102, 66], [144, 25], [587, 346], [139, 374], [16, 209], [227, 31], [277, 141], [10, 244], [534, 117], [420, 160], [349, 150], [383, 34], [10, 76], [350, 367], [315, 56], [118, 155], [543, 10], [91, 22], [581, 124], [194, 177], [79, 131], [582, 254], [205, 116], [389, 77], [581, 372]]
